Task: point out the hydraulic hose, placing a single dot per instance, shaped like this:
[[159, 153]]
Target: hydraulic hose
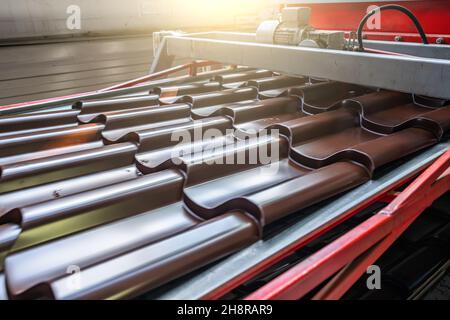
[[390, 7]]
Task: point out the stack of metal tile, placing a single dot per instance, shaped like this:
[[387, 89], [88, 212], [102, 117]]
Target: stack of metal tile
[[96, 188]]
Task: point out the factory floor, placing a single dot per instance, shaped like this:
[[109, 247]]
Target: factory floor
[[39, 70], [45, 69]]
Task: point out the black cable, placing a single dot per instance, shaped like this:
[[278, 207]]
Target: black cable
[[390, 7]]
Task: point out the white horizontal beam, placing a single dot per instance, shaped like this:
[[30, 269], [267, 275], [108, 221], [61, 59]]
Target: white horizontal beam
[[423, 76]]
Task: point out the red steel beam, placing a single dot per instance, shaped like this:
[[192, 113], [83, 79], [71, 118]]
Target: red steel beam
[[349, 255]]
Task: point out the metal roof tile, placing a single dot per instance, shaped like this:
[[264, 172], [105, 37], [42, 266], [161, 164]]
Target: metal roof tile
[[102, 175], [138, 271], [90, 109]]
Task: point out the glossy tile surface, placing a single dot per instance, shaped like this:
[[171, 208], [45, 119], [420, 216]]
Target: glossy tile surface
[[112, 188]]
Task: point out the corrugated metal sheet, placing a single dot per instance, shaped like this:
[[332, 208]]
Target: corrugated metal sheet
[[98, 187]]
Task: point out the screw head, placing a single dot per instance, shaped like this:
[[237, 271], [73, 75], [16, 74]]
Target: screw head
[[398, 38], [440, 40]]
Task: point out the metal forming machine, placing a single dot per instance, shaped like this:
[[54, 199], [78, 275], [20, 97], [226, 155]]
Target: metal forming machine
[[283, 59]]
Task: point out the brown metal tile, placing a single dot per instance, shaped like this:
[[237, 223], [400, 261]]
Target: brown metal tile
[[211, 191], [387, 111], [239, 156], [55, 218], [33, 123], [157, 147], [266, 113], [169, 95], [49, 261], [45, 143], [441, 118], [141, 270], [63, 190], [91, 109], [392, 147], [273, 87], [9, 232], [285, 198], [24, 174], [3, 293], [210, 104], [324, 96], [324, 138], [44, 192], [163, 186], [337, 135], [119, 124], [234, 80]]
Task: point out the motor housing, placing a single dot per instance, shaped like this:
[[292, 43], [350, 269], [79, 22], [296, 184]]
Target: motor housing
[[294, 30]]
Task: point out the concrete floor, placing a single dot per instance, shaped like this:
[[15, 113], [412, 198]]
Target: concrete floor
[[44, 70], [441, 291]]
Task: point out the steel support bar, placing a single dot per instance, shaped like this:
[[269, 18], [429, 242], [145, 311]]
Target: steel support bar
[[406, 74], [308, 224], [192, 66], [361, 246], [434, 51]]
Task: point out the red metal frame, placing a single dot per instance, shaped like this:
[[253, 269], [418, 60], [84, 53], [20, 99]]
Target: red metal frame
[[432, 14], [242, 278], [348, 257]]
